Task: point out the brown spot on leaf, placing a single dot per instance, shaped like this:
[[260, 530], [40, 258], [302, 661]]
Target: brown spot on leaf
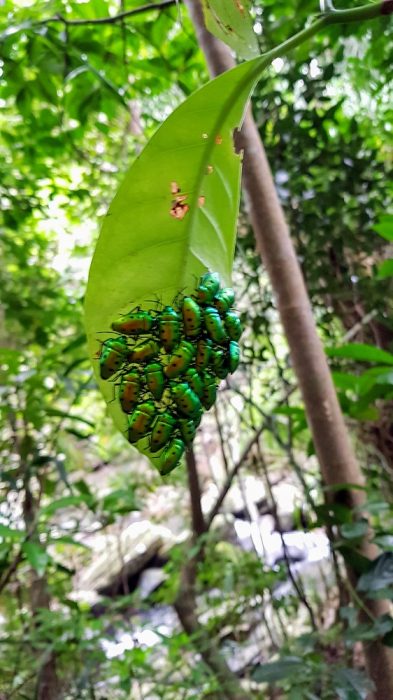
[[174, 187], [209, 169], [178, 210], [239, 6], [218, 139], [201, 201]]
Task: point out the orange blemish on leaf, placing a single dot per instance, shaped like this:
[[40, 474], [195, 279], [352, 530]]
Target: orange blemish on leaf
[[201, 201], [239, 7], [218, 139], [179, 210], [179, 206]]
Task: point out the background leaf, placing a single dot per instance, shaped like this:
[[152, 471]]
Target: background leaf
[[361, 351], [231, 22]]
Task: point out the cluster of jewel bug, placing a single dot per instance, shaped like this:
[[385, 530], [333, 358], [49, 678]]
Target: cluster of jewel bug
[[166, 366]]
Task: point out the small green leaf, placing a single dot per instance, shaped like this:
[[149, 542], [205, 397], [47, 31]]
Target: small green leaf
[[287, 667], [380, 575], [65, 502], [361, 352], [385, 269], [352, 531], [384, 541], [231, 22], [36, 556], [385, 227], [9, 533], [351, 684]]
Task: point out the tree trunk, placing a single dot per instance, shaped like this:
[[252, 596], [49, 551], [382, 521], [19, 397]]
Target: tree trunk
[[332, 444]]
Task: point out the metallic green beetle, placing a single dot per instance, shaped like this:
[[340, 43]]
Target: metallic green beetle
[[224, 300], [209, 390], [171, 456], [214, 325], [134, 323], [234, 356], [180, 360], [162, 430], [188, 428], [233, 325], [185, 399], [144, 351], [169, 328], [141, 420], [129, 391], [208, 286], [220, 364], [192, 317], [195, 381], [113, 354], [204, 349], [155, 379]]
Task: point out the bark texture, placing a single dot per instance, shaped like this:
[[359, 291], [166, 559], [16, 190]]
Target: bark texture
[[333, 447]]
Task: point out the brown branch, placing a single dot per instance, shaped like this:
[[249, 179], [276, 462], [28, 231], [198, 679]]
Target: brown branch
[[109, 20], [198, 522]]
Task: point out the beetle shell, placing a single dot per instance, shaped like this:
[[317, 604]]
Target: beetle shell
[[214, 325], [144, 351], [224, 299], [162, 430], [208, 287], [140, 421], [220, 365], [234, 356], [185, 399], [180, 360], [209, 390], [113, 353], [188, 428], [233, 325], [195, 381], [191, 317], [171, 456], [129, 391], [204, 349], [169, 328], [134, 323], [155, 379]]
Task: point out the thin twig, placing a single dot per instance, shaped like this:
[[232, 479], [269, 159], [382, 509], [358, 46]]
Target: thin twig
[[108, 20]]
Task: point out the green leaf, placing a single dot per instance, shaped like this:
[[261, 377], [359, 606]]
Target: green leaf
[[65, 502], [384, 541], [143, 252], [231, 22], [287, 667], [64, 414], [354, 530], [361, 352], [36, 556], [351, 684], [385, 227], [385, 269], [380, 575], [10, 533]]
